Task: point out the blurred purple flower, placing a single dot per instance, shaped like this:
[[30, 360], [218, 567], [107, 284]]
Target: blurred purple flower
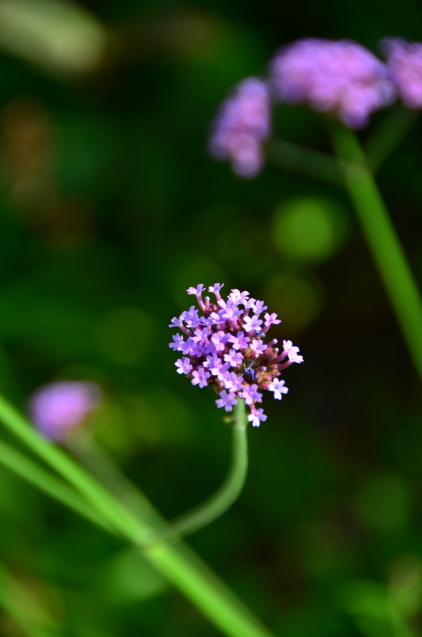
[[57, 408], [404, 61], [341, 77], [241, 126]]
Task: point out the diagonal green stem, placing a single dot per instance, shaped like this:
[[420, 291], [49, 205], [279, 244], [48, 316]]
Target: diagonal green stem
[[89, 454], [229, 491], [383, 241], [45, 481], [199, 585], [99, 498], [388, 135]]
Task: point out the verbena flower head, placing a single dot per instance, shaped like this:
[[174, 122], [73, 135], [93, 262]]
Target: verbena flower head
[[341, 77], [404, 60], [58, 408], [223, 345], [240, 127]]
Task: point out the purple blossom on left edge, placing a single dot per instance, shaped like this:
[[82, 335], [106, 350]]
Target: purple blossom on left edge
[[241, 126], [225, 348], [58, 408]]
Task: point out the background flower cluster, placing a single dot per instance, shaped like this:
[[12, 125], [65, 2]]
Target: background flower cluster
[[340, 77]]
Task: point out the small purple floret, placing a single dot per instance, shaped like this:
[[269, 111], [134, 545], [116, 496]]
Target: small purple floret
[[341, 77], [200, 377], [291, 352], [241, 126], [183, 366], [220, 353], [227, 400], [256, 416], [58, 408], [277, 386]]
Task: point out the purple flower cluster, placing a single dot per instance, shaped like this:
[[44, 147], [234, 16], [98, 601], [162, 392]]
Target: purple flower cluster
[[241, 126], [341, 77], [58, 408], [404, 61], [224, 347]]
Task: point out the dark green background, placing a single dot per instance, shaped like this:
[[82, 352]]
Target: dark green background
[[110, 207]]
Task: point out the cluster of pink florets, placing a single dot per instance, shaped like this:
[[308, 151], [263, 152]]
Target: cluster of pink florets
[[224, 347]]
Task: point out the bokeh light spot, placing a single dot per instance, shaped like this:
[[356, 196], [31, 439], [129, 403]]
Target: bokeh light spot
[[383, 503], [309, 228], [296, 298]]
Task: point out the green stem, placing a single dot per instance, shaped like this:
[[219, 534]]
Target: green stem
[[38, 477], [45, 481], [383, 241], [102, 501], [308, 162], [388, 135], [83, 446], [221, 606], [224, 497]]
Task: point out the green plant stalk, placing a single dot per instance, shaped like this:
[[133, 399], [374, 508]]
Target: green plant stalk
[[226, 495], [99, 498], [223, 609], [48, 483], [42, 479], [388, 135], [307, 162], [84, 448], [383, 241]]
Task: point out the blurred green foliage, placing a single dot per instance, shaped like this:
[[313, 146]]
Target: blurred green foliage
[[110, 208]]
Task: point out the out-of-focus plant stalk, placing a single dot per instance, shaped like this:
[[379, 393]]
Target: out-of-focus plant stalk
[[217, 602], [42, 479], [388, 135], [307, 162], [382, 239]]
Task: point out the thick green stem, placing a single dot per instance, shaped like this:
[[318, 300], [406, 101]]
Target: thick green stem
[[84, 448], [199, 585], [99, 498], [383, 241], [228, 493], [42, 479]]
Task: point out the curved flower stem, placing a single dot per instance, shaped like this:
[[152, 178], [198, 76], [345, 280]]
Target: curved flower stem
[[225, 496], [178, 564], [383, 241]]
